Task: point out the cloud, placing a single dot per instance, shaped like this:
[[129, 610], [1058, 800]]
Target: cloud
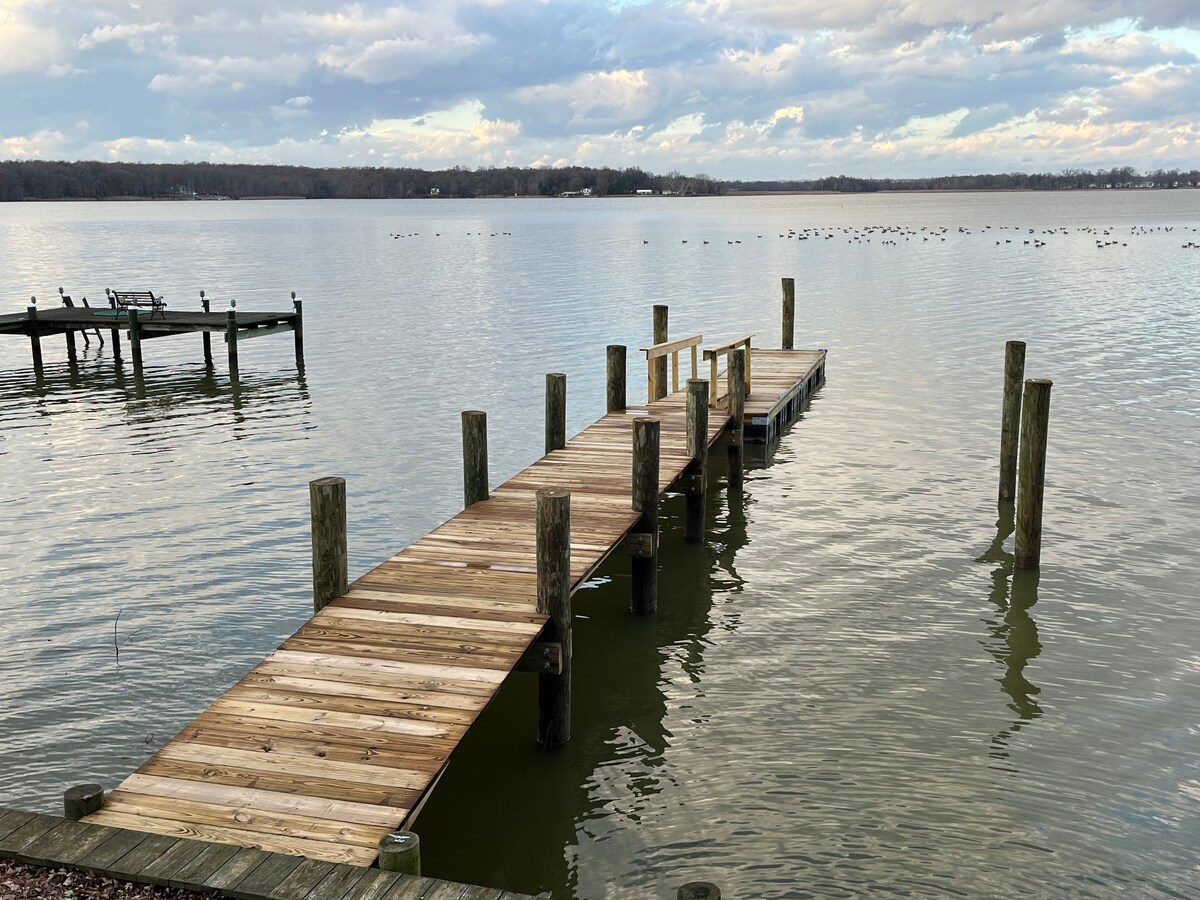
[[751, 88]]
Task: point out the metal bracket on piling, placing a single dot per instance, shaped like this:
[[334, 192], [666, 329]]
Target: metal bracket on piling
[[640, 545], [543, 657]]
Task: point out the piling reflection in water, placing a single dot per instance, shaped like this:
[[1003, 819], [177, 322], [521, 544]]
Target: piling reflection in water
[[1014, 635]]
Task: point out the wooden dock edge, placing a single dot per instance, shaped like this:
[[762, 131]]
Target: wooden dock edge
[[765, 429], [223, 870]]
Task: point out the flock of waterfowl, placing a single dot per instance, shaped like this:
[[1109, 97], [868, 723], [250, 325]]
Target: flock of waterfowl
[[891, 235]]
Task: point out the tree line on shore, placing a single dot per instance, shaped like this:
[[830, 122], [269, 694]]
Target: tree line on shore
[[55, 180]]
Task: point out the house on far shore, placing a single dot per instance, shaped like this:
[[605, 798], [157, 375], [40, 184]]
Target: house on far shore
[[585, 192], [435, 192], [643, 192]]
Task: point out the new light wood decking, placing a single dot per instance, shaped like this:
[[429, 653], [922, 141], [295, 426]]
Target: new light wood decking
[[335, 738]]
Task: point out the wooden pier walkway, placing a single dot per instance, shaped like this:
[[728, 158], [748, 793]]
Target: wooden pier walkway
[[335, 739]]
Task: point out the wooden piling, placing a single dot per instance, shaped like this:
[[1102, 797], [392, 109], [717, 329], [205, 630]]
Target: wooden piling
[[554, 600], [616, 377], [70, 334], [660, 364], [231, 338], [400, 851], [82, 800], [1035, 421], [737, 406], [475, 456], [327, 502], [696, 477], [1010, 419], [35, 337], [298, 330], [135, 340], [556, 411], [789, 314], [207, 337], [644, 569]]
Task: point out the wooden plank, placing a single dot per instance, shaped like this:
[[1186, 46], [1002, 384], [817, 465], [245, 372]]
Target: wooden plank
[[266, 801], [244, 861], [264, 877], [340, 883], [15, 841], [64, 843], [130, 866], [657, 350], [204, 865], [101, 859], [160, 871], [12, 820], [302, 880]]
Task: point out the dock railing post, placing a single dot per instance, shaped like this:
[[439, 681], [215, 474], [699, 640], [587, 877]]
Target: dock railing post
[[696, 474], [737, 407], [554, 600], [556, 411], [789, 314], [35, 336], [70, 334], [616, 377], [114, 332], [400, 851], [204, 305], [231, 338], [475, 456], [327, 501], [1035, 421], [82, 800], [135, 341], [660, 364], [1010, 419], [644, 568], [298, 330]]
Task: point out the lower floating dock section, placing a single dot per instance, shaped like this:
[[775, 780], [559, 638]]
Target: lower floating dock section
[[336, 738], [222, 869]]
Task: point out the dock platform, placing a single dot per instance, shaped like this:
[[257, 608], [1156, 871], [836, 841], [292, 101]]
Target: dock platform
[[335, 739]]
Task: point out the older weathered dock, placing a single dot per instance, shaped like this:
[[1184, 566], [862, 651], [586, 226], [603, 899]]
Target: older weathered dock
[[140, 325], [222, 869], [333, 742]]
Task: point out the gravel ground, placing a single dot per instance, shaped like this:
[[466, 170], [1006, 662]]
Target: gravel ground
[[21, 882]]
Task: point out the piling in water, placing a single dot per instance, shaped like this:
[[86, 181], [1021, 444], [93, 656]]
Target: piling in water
[[82, 800], [696, 476], [475, 456], [35, 337], [207, 338], [737, 407], [789, 314], [327, 503], [556, 411], [298, 330], [554, 600], [135, 340], [644, 569], [231, 338], [616, 377], [1035, 421], [400, 851], [1010, 419]]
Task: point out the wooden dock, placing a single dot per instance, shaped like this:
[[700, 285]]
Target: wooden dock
[[140, 325], [335, 739]]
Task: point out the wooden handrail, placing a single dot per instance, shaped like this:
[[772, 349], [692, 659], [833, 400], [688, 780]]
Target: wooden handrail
[[672, 349], [714, 353]]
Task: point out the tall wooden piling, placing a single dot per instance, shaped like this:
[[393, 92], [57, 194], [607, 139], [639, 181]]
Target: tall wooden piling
[[737, 408], [556, 411], [135, 340], [644, 567], [696, 478], [554, 600], [475, 456], [35, 336], [327, 503], [207, 338], [660, 364], [298, 330], [789, 314], [1010, 418], [231, 339], [698, 890], [115, 332], [616, 377], [1035, 421], [82, 800], [400, 851]]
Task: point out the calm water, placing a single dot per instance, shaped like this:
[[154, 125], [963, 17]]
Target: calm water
[[845, 692]]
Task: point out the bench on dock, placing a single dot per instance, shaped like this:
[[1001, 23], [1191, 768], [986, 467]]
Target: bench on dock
[[140, 299]]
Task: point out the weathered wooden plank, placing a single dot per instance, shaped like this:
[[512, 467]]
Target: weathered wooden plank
[[302, 880], [101, 859], [339, 883], [15, 841], [264, 877], [160, 871], [203, 865], [64, 843], [130, 866], [375, 884], [12, 819], [235, 870]]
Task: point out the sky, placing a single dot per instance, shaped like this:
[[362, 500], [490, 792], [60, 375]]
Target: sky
[[749, 89]]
